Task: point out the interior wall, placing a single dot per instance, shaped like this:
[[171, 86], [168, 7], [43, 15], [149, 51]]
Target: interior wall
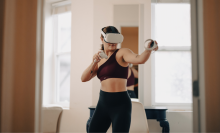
[[212, 63], [121, 17], [19, 66], [103, 16], [2, 11], [180, 122], [75, 118], [130, 38]]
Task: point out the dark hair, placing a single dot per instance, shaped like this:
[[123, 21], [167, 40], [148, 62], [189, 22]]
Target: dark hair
[[102, 46], [108, 29]]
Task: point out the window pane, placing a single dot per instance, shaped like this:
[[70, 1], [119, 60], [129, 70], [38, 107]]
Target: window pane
[[64, 78], [172, 24], [173, 77], [64, 32]]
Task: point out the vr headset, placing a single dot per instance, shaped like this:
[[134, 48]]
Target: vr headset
[[112, 37]]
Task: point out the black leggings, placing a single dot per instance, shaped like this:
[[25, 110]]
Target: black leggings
[[112, 107], [131, 94]]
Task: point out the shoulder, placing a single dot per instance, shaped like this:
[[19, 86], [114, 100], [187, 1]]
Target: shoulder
[[120, 56], [125, 52]]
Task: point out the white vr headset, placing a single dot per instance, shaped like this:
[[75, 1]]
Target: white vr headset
[[112, 37]]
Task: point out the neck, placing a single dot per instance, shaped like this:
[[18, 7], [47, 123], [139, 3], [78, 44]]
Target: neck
[[109, 52]]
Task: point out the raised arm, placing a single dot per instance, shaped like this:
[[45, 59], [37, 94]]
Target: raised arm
[[133, 58]]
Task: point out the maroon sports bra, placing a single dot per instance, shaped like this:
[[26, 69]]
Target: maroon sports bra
[[131, 79], [111, 69]]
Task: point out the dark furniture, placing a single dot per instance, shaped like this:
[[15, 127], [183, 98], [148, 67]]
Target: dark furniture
[[158, 113]]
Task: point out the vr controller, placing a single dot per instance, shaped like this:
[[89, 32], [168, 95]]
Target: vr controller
[[153, 44], [103, 55]]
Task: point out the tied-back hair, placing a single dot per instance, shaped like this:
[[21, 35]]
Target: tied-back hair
[[108, 30], [102, 46]]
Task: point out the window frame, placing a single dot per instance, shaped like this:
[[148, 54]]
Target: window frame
[[57, 54], [57, 66], [172, 106]]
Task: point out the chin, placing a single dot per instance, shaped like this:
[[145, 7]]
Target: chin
[[113, 48]]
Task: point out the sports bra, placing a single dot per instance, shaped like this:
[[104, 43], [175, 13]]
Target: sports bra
[[131, 79], [111, 69]]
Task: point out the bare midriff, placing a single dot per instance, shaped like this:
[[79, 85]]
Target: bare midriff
[[131, 88], [114, 85]]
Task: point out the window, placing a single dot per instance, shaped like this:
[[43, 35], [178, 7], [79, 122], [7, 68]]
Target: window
[[62, 53], [171, 64]]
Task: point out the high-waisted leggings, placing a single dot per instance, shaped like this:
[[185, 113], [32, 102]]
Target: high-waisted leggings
[[112, 107]]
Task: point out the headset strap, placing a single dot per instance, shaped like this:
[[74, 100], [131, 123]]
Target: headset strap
[[102, 32]]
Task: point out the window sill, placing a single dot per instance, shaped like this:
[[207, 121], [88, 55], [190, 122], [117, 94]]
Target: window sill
[[176, 107], [178, 110], [63, 106]]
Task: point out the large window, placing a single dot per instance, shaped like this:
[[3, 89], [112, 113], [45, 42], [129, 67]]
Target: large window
[[172, 83], [62, 53]]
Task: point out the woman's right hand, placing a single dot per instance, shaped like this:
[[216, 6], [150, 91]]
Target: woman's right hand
[[97, 57]]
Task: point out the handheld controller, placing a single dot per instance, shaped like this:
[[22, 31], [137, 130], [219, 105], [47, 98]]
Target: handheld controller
[[153, 45], [103, 55]]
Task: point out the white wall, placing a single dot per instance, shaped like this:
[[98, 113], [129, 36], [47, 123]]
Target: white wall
[[103, 16], [74, 119], [180, 122], [126, 15]]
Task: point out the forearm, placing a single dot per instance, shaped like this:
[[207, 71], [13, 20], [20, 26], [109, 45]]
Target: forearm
[[143, 57], [87, 73]]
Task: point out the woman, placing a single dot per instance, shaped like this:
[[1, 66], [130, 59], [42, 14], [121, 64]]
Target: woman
[[114, 105], [132, 74]]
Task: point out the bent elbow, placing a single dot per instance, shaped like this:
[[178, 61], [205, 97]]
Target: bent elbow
[[141, 62], [83, 80]]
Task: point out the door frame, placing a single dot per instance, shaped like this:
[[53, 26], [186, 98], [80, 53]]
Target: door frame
[[198, 66]]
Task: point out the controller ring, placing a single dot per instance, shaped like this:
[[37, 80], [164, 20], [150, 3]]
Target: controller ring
[[153, 47]]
